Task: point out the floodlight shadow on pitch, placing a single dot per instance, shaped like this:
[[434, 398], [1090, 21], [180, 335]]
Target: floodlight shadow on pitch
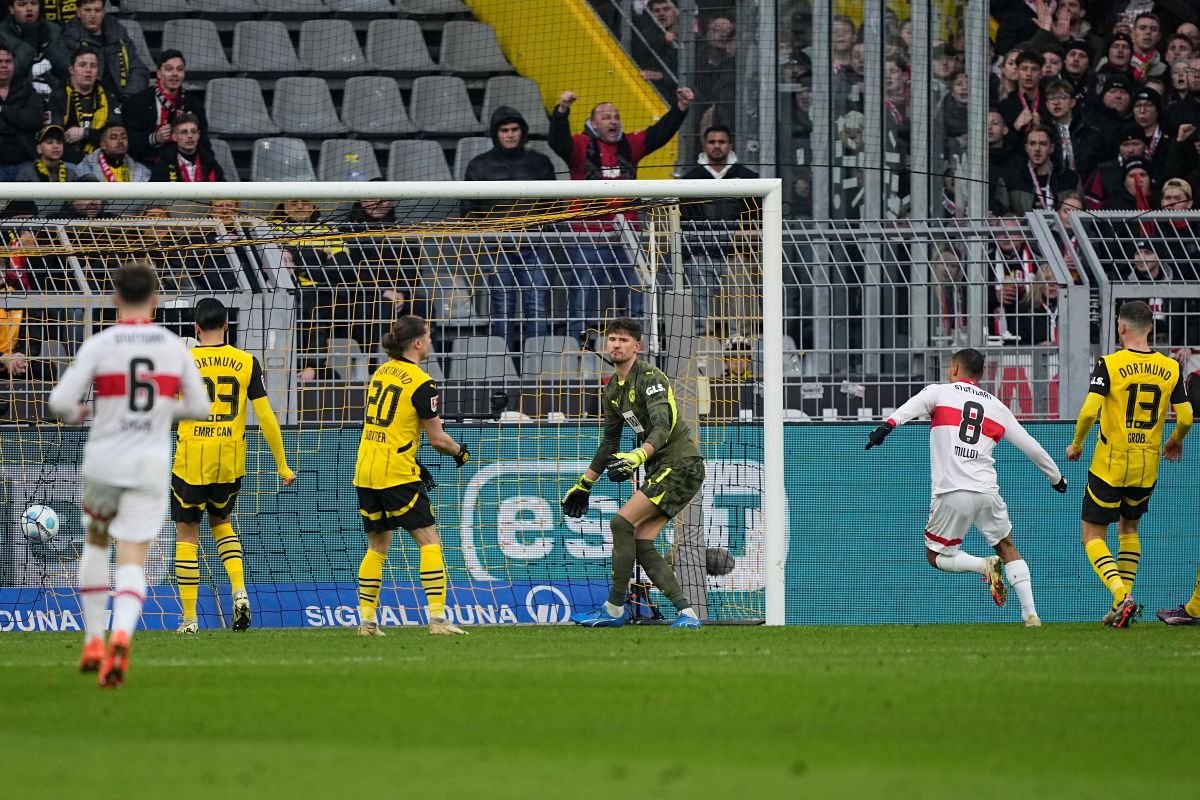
[[199, 42], [330, 45]]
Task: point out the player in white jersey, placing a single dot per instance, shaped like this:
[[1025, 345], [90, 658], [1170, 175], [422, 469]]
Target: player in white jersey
[[966, 423], [143, 379]]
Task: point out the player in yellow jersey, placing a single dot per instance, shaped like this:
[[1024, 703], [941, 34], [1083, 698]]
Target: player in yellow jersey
[[1130, 391], [210, 460], [402, 400]]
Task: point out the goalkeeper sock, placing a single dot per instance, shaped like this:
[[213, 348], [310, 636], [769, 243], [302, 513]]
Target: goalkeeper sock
[[370, 579], [130, 595], [624, 551], [230, 551], [433, 579], [93, 588], [660, 573], [1105, 567], [1129, 553], [961, 562], [1018, 577], [187, 575], [1193, 605]]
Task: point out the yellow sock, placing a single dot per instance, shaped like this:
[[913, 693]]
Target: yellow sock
[[230, 551], [370, 579], [187, 575], [1128, 556], [433, 579], [1193, 606], [1106, 568]]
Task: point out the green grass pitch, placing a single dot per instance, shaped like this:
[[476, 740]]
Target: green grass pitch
[[979, 711]]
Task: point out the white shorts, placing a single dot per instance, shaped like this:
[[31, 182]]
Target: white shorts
[[133, 514], [952, 514]]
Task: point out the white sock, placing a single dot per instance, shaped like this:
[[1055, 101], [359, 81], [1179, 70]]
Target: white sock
[[961, 562], [613, 611], [131, 594], [688, 612], [93, 589], [1018, 577]]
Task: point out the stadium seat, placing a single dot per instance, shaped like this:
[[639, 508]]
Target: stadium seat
[[561, 170], [554, 358], [431, 7], [304, 106], [199, 42], [520, 93], [371, 104], [345, 358], [281, 159], [264, 47], [340, 156], [417, 160], [433, 368], [134, 29], [235, 107], [471, 47], [592, 368], [165, 8], [440, 104], [330, 45], [481, 358], [362, 6], [237, 8], [307, 8], [224, 157], [397, 45], [468, 148]]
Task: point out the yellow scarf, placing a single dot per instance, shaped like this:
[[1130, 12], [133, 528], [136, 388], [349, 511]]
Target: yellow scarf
[[76, 116]]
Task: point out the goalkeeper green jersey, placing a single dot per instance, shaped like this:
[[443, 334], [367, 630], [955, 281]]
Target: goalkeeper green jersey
[[645, 402]]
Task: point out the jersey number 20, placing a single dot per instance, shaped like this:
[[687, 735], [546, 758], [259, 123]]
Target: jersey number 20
[[382, 404]]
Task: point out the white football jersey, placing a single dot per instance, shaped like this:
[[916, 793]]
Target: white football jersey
[[143, 379], [965, 424]]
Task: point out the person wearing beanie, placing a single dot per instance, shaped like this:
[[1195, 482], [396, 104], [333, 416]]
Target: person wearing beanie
[[1106, 180]]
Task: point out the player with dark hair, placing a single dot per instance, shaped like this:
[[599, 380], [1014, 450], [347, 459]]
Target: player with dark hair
[[1130, 393], [966, 423], [640, 395], [402, 400], [210, 460], [143, 379]]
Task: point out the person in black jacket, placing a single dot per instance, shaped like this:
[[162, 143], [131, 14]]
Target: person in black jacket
[[82, 106], [517, 268], [182, 159], [150, 113], [20, 118], [122, 71]]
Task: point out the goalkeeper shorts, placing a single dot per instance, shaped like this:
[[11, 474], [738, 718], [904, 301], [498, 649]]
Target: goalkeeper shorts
[[404, 506], [952, 514], [189, 502], [672, 486]]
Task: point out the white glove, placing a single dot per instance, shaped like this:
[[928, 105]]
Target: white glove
[[40, 68]]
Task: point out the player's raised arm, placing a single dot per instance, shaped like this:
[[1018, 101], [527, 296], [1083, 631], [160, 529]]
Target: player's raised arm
[[1033, 450], [267, 422]]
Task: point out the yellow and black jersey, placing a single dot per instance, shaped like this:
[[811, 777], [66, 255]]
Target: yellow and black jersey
[[399, 396], [214, 450], [1131, 392]]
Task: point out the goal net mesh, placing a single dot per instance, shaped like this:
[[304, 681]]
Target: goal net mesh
[[518, 294]]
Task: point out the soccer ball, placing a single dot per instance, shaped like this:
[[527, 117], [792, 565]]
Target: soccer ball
[[39, 523]]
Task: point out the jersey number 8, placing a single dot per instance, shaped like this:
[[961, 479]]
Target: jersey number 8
[[972, 422]]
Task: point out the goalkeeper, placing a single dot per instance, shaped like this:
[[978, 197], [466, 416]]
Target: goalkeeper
[[640, 395]]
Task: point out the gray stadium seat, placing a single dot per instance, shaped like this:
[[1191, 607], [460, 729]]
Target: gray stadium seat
[[134, 29], [348, 360], [224, 157], [260, 46], [431, 7], [481, 358], [304, 106], [591, 367], [471, 47], [468, 148], [440, 104], [433, 369], [397, 45], [281, 159], [199, 42], [339, 156], [235, 107], [330, 45], [239, 8], [156, 7], [550, 358], [362, 6], [561, 170], [308, 8], [417, 160], [371, 104], [520, 93]]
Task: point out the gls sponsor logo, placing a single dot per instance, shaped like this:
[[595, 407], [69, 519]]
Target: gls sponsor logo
[[655, 389], [513, 507]]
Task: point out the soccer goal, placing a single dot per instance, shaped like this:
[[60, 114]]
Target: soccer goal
[[518, 281]]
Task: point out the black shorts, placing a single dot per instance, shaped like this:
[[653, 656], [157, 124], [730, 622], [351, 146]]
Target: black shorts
[[404, 506], [1104, 504], [188, 502]]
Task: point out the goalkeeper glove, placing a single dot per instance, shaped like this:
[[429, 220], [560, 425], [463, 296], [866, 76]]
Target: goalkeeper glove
[[575, 504], [879, 434], [622, 466], [463, 456], [1061, 486], [427, 479]]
